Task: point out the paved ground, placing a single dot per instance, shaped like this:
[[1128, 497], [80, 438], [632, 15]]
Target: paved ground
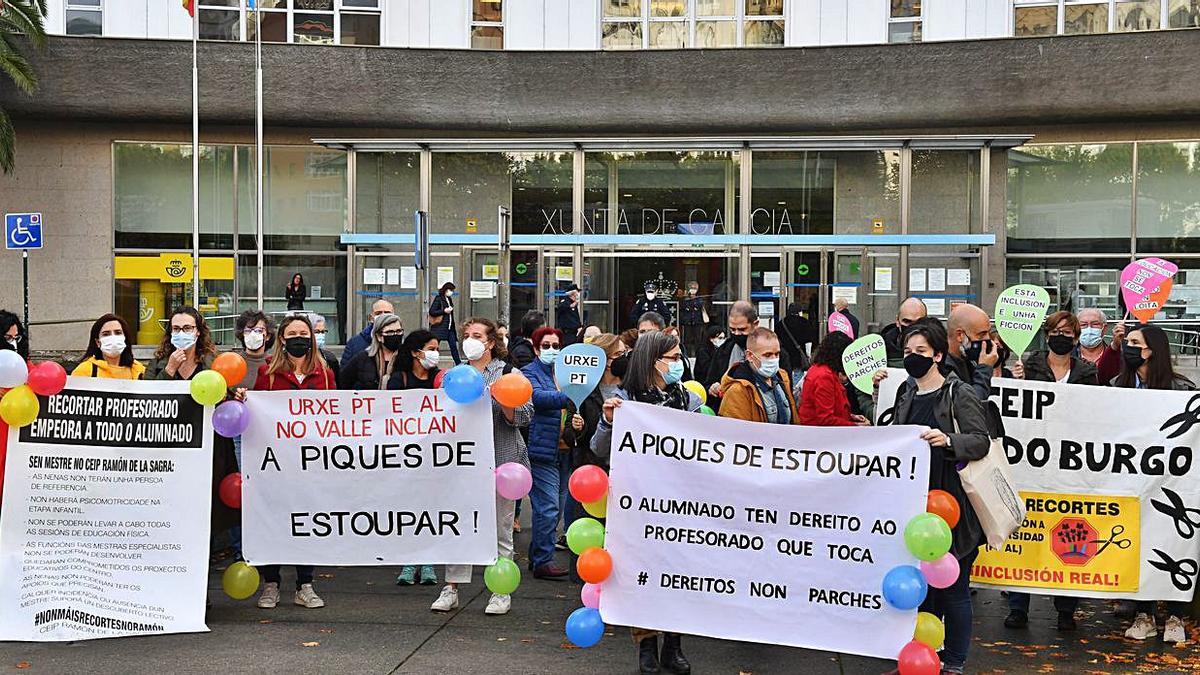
[[373, 626]]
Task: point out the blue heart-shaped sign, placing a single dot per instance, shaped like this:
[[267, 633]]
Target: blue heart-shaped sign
[[578, 370]]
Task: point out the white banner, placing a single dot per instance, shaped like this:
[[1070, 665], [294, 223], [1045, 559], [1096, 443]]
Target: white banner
[[104, 530], [761, 532], [368, 478], [1112, 509]]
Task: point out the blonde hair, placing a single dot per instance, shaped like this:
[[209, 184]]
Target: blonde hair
[[608, 342], [281, 361]]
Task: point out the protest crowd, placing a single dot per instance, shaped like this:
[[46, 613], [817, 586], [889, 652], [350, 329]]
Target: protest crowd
[[740, 370]]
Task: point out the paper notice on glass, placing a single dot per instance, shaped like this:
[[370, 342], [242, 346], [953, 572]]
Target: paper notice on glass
[[770, 278], [374, 276], [483, 290], [936, 306], [883, 279], [916, 279], [408, 277], [937, 279], [393, 276], [766, 309], [564, 273], [958, 277], [491, 272], [847, 293], [314, 292], [445, 275]]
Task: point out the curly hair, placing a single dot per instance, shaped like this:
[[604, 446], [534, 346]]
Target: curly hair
[[830, 351], [204, 343]]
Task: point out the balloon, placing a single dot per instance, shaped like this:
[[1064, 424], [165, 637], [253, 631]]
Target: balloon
[[930, 631], [862, 359], [20, 406], [594, 565], [3, 452], [941, 573], [1019, 313], [231, 419], [708, 411], [230, 366], [585, 627], [512, 390], [590, 595], [1141, 278], [927, 536], [943, 504], [502, 577], [463, 384], [13, 369], [904, 587], [697, 389], [437, 379], [240, 580], [208, 388], [588, 483], [919, 659], [47, 378], [513, 481], [1146, 310], [230, 490], [583, 534], [597, 509]]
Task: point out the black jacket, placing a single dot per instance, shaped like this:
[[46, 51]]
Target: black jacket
[[853, 322], [332, 362], [891, 341], [360, 374], [691, 311], [704, 359], [581, 451], [643, 305], [566, 318], [295, 296], [1037, 368], [445, 329], [969, 443], [980, 378], [520, 354], [796, 333]]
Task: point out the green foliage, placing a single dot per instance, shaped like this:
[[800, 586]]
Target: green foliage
[[22, 22]]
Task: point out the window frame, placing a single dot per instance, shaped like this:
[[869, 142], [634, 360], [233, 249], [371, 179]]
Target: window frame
[[918, 24], [740, 18], [97, 8], [1061, 6], [472, 24], [245, 14]]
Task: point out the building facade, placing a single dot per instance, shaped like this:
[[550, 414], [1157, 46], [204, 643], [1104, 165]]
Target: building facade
[[608, 143]]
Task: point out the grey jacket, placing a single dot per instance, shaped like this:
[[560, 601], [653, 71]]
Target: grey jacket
[[510, 446]]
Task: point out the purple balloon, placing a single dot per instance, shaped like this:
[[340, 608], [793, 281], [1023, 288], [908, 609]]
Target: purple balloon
[[590, 595], [941, 573], [231, 419], [513, 481]]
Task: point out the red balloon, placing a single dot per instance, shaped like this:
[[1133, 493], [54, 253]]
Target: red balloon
[[945, 505], [437, 379], [919, 659], [588, 484], [47, 378], [231, 490]]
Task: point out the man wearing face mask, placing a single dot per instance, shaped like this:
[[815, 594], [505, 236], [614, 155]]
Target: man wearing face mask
[[1106, 356], [972, 355], [567, 316], [650, 302], [743, 320], [910, 311], [757, 390]]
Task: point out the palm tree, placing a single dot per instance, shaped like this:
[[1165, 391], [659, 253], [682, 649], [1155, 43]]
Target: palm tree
[[20, 21]]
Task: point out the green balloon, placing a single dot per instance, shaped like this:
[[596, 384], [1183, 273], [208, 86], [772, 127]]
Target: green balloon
[[927, 536], [502, 577], [708, 411], [240, 580], [208, 387], [583, 534]]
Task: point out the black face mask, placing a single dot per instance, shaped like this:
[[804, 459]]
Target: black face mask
[[619, 365], [917, 365], [298, 346], [1060, 344], [1132, 356], [973, 352], [739, 340], [1002, 354], [393, 342]]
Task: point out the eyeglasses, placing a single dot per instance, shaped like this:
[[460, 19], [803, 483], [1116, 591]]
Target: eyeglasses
[[15, 339], [1061, 331], [550, 345], [255, 331], [386, 333], [183, 329], [320, 331], [671, 359]]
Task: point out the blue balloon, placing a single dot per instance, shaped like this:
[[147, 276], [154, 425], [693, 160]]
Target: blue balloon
[[904, 587], [578, 370], [585, 627], [463, 383]]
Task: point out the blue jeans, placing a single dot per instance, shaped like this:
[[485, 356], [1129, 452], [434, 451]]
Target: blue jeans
[[953, 605], [1062, 603], [452, 342], [565, 500], [544, 499]]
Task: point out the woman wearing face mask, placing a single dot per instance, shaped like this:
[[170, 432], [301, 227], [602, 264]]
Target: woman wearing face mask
[[186, 347], [441, 319], [13, 335], [295, 364], [296, 292], [652, 376], [108, 354], [956, 432], [256, 333], [714, 337], [823, 400], [1146, 364], [1058, 364], [484, 352], [371, 369]]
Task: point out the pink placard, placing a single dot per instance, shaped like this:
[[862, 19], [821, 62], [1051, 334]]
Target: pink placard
[[839, 322], [1141, 278]]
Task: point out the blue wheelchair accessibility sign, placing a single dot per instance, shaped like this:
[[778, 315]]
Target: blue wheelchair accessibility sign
[[22, 231]]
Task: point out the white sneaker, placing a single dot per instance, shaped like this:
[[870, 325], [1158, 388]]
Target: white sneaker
[[307, 597], [447, 601], [1174, 631], [270, 596], [1143, 627], [499, 604]]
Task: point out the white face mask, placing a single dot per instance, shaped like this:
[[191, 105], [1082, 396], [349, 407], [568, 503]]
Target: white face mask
[[430, 358], [112, 345], [473, 349], [718, 342], [649, 295], [254, 341]]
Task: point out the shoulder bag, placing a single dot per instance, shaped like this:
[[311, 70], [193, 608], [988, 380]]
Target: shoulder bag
[[990, 488]]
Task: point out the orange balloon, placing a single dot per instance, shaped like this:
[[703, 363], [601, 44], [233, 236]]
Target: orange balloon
[[512, 390], [1145, 310], [943, 504], [230, 366], [594, 565]]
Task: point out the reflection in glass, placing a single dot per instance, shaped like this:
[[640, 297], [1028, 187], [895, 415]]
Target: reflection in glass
[[487, 10], [715, 7], [668, 7], [764, 33], [902, 9], [945, 192], [716, 33], [904, 31], [1033, 21], [360, 29], [541, 197], [1072, 283], [305, 198], [274, 26], [487, 37], [152, 188], [216, 24], [314, 29], [388, 191], [326, 271], [767, 7], [1138, 15], [1183, 14], [321, 5], [668, 34], [622, 35], [792, 193], [83, 22], [1168, 213], [467, 188], [1085, 19], [620, 8]]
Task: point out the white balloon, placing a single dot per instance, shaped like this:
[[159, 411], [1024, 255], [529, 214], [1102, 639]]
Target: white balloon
[[13, 371]]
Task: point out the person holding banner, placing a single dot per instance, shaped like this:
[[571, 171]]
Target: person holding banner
[[13, 335], [956, 432], [481, 341], [1092, 347], [109, 354], [756, 390], [186, 349], [652, 376], [823, 400], [370, 369], [1058, 364]]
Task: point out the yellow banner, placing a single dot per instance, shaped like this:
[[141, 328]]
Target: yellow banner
[[171, 268], [1075, 542]]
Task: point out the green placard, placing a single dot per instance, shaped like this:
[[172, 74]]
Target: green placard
[[1020, 311], [522, 268], [802, 269], [862, 358]]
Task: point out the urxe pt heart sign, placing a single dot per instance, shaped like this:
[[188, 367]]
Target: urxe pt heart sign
[[1020, 311], [578, 370], [1146, 285], [862, 358]]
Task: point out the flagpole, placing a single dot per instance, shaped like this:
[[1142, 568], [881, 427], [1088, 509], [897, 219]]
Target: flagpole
[[195, 162], [258, 140]]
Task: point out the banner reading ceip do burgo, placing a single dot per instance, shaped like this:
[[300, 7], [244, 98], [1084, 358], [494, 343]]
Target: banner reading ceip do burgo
[[368, 478]]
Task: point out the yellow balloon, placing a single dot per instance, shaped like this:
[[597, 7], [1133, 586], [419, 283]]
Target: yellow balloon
[[697, 389], [208, 387], [240, 580], [19, 407], [930, 631], [597, 509]]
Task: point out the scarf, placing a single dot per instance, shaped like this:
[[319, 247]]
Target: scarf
[[674, 396]]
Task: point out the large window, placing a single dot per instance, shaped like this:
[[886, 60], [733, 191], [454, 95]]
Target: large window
[[347, 22], [904, 21], [85, 17], [1168, 205], [643, 193], [678, 24], [487, 24], [1076, 17]]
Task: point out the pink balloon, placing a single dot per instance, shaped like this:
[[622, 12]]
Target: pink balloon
[[941, 573], [590, 595], [513, 481]]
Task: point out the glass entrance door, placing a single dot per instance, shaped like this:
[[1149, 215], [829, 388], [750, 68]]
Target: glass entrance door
[[669, 272], [483, 277]]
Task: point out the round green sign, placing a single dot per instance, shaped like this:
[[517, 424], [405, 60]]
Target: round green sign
[[854, 268], [802, 268], [522, 268]]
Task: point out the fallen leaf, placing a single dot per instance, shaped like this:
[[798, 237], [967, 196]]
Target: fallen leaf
[[310, 644], [501, 639], [265, 621], [526, 641], [326, 630], [23, 665]]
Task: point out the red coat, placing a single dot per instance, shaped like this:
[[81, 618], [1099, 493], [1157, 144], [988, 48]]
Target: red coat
[[287, 381], [823, 401]]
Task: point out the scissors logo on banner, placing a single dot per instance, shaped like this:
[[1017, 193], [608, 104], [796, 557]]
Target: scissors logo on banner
[[1187, 419], [1186, 519], [1112, 540], [1181, 571]]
